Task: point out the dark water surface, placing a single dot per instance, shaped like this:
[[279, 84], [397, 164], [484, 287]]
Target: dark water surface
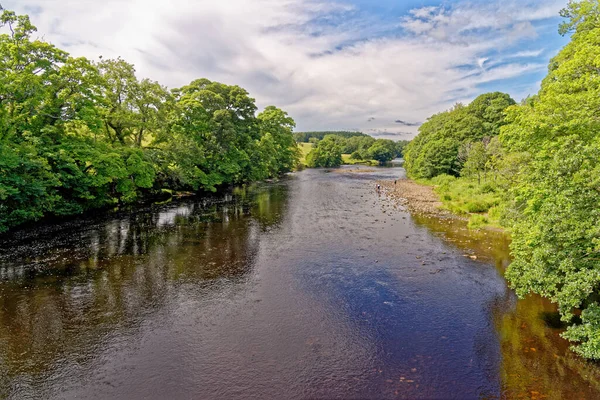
[[313, 287]]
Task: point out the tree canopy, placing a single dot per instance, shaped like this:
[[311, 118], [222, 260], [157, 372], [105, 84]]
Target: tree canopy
[[327, 153], [77, 134], [382, 150], [436, 148]]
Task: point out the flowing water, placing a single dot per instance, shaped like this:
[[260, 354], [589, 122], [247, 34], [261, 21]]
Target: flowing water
[[312, 287]]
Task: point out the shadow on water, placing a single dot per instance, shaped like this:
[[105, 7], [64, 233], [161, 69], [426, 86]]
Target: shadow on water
[[536, 361]]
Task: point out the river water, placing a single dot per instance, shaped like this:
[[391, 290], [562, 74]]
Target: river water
[[311, 287]]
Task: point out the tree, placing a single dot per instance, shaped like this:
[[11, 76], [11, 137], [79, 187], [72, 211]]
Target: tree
[[27, 70], [476, 160], [435, 150], [357, 143], [400, 147], [555, 194], [279, 125], [305, 137], [327, 153], [77, 135], [357, 155], [221, 120], [581, 16], [382, 150], [152, 103]]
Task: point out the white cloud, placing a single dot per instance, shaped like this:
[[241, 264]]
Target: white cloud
[[423, 12], [328, 64], [526, 54], [481, 61]]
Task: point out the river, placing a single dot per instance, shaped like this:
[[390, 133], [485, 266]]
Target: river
[[311, 287]]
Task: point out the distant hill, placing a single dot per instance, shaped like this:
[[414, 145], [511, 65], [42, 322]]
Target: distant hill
[[304, 137]]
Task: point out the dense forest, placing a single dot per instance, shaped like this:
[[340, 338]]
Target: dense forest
[[534, 168], [77, 134], [305, 137]]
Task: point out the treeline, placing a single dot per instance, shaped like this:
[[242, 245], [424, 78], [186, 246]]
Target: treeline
[[540, 160], [77, 134], [328, 152], [306, 137]]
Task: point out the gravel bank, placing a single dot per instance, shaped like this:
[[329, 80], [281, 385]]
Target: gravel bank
[[413, 196]]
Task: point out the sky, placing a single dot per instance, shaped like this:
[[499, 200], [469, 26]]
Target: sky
[[378, 66]]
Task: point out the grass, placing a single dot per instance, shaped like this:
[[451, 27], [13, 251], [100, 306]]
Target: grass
[[349, 161], [305, 148], [480, 202]]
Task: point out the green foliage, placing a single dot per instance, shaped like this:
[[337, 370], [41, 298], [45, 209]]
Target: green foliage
[[436, 149], [465, 196], [305, 149], [401, 147], [327, 153], [555, 195], [77, 135], [476, 159], [356, 155], [477, 221], [539, 177], [581, 16], [357, 149], [382, 150], [26, 185], [357, 143]]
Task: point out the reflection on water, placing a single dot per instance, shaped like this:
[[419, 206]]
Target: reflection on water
[[313, 287], [536, 361], [65, 289]]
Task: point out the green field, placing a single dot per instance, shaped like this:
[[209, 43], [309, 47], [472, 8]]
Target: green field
[[305, 148]]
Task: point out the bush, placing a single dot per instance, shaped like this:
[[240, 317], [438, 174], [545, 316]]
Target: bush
[[477, 207], [356, 155]]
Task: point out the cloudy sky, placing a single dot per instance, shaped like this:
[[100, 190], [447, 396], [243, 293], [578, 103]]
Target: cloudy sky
[[372, 65]]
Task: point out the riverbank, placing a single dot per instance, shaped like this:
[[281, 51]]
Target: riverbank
[[456, 199], [415, 197]]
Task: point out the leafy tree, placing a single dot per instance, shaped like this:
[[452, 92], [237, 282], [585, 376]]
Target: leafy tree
[[120, 86], [279, 125], [435, 150], [27, 70], [382, 150], [476, 159], [358, 143], [555, 195], [26, 184], [327, 153], [357, 155], [153, 104], [581, 16], [400, 147], [77, 135]]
